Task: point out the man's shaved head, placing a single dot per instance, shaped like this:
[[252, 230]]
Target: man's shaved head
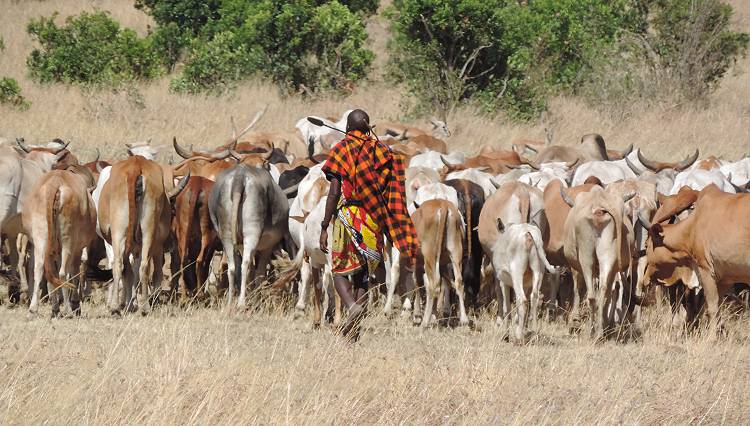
[[358, 120]]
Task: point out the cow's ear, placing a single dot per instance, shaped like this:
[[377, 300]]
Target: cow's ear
[[500, 225]]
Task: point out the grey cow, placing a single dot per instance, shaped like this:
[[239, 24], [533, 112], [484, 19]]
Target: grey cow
[[251, 215]]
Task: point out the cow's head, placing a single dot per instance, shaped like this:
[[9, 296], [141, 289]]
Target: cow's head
[[664, 265]]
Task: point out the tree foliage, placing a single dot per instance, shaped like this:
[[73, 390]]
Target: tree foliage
[[90, 48], [514, 54], [301, 44]]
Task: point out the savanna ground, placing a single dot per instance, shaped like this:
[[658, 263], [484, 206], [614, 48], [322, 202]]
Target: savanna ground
[[208, 366]]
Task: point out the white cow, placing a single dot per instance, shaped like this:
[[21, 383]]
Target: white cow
[[323, 136], [436, 160], [434, 191], [483, 179], [698, 179], [519, 262]]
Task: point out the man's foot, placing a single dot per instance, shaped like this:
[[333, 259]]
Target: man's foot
[[350, 328]]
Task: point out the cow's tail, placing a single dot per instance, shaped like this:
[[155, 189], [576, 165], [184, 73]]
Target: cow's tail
[[524, 201], [539, 246], [134, 183], [187, 222], [467, 209], [236, 196], [442, 219], [286, 273], [53, 239]]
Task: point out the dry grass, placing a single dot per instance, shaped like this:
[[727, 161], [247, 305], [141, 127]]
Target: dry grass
[[207, 366], [211, 367]]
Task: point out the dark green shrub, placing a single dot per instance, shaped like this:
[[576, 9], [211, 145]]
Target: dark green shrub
[[301, 45], [90, 48], [10, 94]]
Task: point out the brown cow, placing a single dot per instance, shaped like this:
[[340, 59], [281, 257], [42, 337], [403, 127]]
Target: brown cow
[[134, 217], [717, 251], [196, 240], [60, 219], [440, 230]]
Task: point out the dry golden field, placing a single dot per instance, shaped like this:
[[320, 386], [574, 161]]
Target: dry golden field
[[207, 366]]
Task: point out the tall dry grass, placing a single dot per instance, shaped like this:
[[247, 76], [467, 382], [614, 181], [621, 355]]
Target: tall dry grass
[[210, 367], [206, 366]]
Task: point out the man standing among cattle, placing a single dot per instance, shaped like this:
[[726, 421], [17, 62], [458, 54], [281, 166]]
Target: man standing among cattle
[[368, 196]]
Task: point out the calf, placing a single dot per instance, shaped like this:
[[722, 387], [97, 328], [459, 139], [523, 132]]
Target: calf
[[519, 263]]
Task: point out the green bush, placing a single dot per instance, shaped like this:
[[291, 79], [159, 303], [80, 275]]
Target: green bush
[[503, 53], [90, 48], [10, 94], [301, 45], [514, 55]]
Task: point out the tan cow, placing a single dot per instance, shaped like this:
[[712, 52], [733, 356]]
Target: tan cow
[[591, 148], [718, 252], [598, 248], [60, 218], [440, 231], [134, 217]]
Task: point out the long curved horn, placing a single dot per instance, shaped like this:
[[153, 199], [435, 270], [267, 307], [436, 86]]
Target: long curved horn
[[569, 165], [98, 155], [651, 165], [221, 155], [533, 164], [627, 150], [236, 155], [629, 197], [644, 221], [268, 155], [291, 190], [62, 148], [180, 186], [632, 166], [22, 144], [565, 197], [446, 163], [182, 152], [687, 162]]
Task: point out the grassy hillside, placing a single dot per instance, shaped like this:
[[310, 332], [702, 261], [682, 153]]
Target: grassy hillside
[[107, 119]]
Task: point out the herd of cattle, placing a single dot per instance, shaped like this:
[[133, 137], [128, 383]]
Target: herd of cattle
[[555, 224]]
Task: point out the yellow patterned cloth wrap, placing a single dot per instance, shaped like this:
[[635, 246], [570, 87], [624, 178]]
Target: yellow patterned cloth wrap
[[356, 240]]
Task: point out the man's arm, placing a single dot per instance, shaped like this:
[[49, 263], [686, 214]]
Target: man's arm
[[334, 193]]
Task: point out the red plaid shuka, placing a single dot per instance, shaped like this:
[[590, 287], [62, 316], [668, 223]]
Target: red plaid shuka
[[376, 175]]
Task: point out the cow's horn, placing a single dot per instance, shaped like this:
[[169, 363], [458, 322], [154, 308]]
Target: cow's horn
[[221, 155], [62, 148], [628, 197], [98, 155], [291, 190], [687, 162], [627, 151], [416, 205], [569, 165], [267, 156], [180, 186], [500, 225], [182, 152], [565, 197], [651, 165], [632, 166], [22, 145]]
